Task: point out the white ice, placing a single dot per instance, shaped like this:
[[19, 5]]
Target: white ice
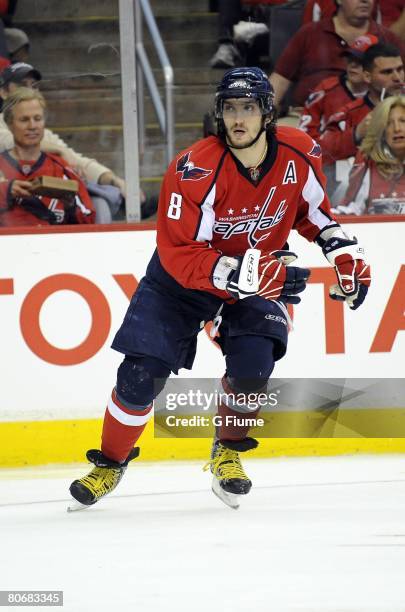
[[314, 535]]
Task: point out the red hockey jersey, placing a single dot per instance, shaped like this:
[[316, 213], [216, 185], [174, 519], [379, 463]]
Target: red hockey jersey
[[331, 94], [369, 192], [41, 210], [210, 206], [338, 138]]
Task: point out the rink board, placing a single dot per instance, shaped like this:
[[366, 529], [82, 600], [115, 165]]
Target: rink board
[[63, 294], [43, 442]]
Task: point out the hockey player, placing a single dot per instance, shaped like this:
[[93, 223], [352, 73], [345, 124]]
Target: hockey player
[[226, 209]]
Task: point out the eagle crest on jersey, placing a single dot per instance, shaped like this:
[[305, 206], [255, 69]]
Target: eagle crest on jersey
[[315, 97], [190, 172], [316, 150]]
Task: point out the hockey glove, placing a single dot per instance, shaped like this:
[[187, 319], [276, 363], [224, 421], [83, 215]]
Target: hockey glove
[[353, 274], [267, 275]]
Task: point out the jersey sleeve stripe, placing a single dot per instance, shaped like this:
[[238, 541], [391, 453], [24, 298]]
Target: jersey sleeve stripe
[[207, 220], [314, 195]]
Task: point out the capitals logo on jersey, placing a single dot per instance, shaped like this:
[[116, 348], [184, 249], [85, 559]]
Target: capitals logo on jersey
[[314, 97], [316, 150], [252, 227], [190, 172]]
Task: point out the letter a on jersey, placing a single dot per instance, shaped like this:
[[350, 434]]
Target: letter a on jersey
[[290, 175]]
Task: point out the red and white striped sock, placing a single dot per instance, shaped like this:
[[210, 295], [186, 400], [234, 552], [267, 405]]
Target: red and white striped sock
[[122, 428]]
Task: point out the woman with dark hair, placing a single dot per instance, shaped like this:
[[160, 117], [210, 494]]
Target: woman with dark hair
[[377, 180]]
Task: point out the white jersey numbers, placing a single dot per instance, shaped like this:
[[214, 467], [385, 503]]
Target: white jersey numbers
[[174, 211]]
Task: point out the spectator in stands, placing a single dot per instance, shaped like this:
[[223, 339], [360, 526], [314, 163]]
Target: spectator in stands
[[233, 30], [24, 114], [95, 174], [4, 54], [315, 10], [17, 41], [377, 180], [315, 51], [387, 12], [18, 45], [384, 75], [335, 92]]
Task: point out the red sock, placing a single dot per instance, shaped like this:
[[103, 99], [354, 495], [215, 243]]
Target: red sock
[[234, 427], [122, 428]]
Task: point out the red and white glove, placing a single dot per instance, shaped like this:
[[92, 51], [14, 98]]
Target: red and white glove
[[265, 274], [353, 274]]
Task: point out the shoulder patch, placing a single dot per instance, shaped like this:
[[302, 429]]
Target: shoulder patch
[[314, 97], [190, 172], [316, 150]]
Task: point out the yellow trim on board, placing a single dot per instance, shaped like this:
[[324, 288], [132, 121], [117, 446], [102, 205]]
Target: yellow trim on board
[[44, 442]]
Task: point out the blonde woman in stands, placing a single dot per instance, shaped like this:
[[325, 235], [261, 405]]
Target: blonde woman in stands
[[377, 180], [20, 205], [105, 187]]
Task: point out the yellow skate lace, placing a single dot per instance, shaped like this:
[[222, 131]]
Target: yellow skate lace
[[101, 481], [226, 464]]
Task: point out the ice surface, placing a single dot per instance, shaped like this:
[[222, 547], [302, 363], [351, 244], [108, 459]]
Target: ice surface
[[314, 535]]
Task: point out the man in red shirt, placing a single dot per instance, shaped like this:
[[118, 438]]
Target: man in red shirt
[[315, 51], [335, 92], [384, 74], [24, 115], [227, 206], [386, 12]]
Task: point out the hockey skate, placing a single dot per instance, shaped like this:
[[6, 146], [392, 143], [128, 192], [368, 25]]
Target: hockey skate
[[102, 479], [229, 478]]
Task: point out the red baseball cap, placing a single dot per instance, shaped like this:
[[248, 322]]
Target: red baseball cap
[[359, 47]]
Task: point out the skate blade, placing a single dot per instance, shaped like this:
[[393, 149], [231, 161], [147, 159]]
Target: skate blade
[[75, 506], [229, 499]]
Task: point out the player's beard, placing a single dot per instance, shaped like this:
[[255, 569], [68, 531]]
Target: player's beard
[[232, 145]]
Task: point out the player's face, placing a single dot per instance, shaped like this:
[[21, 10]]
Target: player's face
[[387, 73], [28, 123], [395, 131], [243, 120]]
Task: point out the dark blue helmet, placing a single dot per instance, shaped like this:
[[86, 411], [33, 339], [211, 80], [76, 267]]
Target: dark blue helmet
[[245, 83]]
